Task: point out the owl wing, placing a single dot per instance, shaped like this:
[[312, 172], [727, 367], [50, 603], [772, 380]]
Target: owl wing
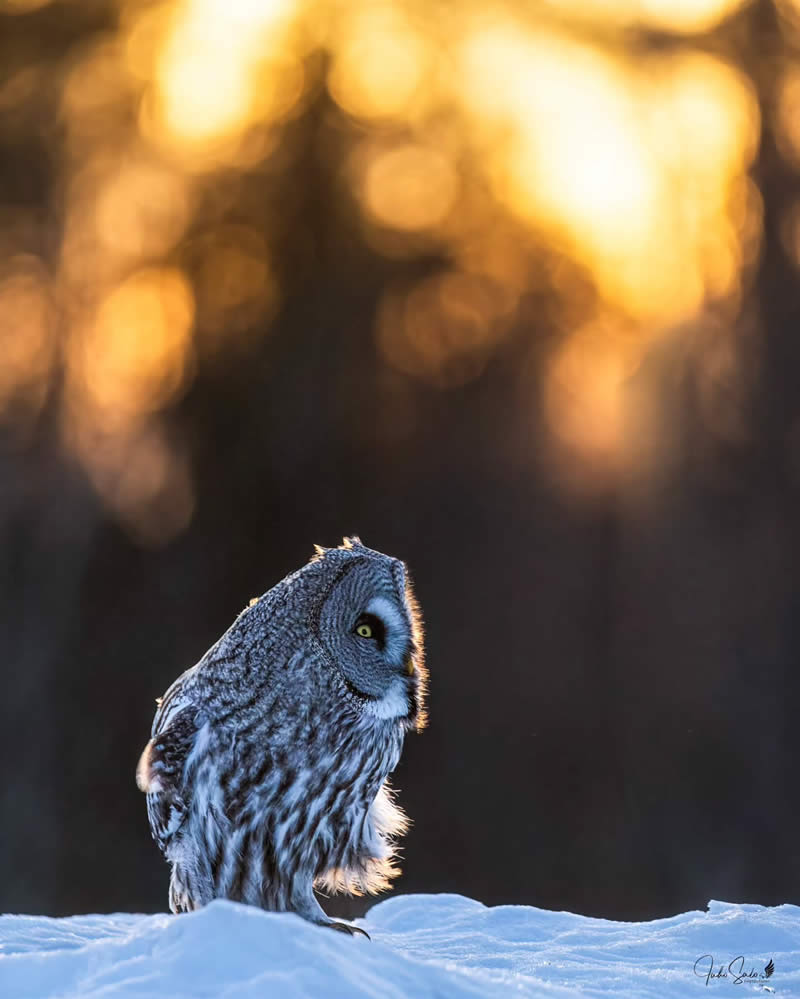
[[160, 771]]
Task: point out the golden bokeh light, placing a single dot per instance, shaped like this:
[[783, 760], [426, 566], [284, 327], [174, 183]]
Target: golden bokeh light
[[144, 29], [20, 87], [515, 151], [679, 16], [27, 333], [125, 363], [789, 18], [409, 187], [630, 169], [142, 210], [222, 65], [562, 146], [143, 481], [133, 357], [688, 16], [21, 6], [444, 328], [148, 486], [381, 63], [790, 232], [723, 373], [583, 399], [787, 124], [235, 284], [96, 95]]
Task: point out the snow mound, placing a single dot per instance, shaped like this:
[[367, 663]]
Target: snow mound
[[422, 946]]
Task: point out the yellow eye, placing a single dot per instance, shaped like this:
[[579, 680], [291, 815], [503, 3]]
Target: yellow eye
[[364, 630]]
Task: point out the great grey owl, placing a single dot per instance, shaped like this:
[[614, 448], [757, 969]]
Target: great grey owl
[[266, 774]]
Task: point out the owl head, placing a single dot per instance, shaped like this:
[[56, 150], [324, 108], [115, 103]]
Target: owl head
[[368, 627]]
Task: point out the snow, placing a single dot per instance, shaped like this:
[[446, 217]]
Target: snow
[[422, 946]]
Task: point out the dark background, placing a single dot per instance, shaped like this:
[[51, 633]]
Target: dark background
[[614, 686]]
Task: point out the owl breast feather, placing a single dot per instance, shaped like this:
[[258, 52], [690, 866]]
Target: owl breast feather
[[245, 811]]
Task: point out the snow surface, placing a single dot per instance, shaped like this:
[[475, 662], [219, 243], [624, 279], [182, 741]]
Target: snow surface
[[422, 946]]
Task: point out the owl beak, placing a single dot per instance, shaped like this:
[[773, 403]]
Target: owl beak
[[410, 666]]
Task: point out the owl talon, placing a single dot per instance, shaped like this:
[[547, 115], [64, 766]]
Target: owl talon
[[347, 928]]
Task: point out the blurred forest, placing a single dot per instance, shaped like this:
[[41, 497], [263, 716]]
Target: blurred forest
[[508, 288]]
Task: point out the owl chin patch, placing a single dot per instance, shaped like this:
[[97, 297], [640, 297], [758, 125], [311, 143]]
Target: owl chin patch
[[393, 704]]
